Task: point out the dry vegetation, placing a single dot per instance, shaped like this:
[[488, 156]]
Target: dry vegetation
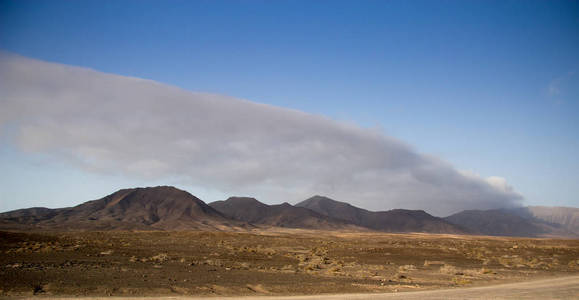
[[268, 262]]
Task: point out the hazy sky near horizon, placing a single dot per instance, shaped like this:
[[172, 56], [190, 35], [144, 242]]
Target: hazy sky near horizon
[[489, 87]]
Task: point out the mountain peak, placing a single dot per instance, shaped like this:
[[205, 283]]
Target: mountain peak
[[237, 199], [512, 222], [397, 220], [160, 207], [281, 215], [318, 200]]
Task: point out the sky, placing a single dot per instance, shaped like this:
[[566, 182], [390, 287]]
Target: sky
[[440, 105]]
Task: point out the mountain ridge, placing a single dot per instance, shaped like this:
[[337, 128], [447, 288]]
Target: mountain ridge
[[508, 222], [250, 210], [396, 220], [169, 208]]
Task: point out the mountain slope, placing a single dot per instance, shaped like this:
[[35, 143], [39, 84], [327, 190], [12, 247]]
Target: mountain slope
[[509, 222], [160, 207], [495, 222], [283, 215], [568, 217], [396, 220]]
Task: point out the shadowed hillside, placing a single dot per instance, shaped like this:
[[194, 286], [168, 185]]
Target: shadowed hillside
[[509, 222], [283, 215], [568, 217], [396, 220], [495, 222]]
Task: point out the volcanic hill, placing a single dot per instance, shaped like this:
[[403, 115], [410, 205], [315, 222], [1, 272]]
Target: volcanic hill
[[396, 220], [169, 208], [161, 207], [520, 221], [252, 211]]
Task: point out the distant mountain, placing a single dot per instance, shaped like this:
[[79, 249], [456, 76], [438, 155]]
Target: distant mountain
[[568, 217], [160, 207], [508, 222], [396, 220], [245, 209], [495, 222], [283, 215]]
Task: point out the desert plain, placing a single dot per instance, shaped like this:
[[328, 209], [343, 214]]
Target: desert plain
[[269, 261]]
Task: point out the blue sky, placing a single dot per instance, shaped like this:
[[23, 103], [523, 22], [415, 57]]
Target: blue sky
[[491, 87]]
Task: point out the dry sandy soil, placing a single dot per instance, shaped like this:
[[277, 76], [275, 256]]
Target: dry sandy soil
[[269, 262]]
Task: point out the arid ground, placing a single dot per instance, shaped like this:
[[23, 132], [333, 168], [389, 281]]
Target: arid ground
[[269, 262]]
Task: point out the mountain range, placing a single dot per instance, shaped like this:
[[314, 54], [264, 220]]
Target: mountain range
[[168, 208], [530, 221], [396, 220], [250, 210]]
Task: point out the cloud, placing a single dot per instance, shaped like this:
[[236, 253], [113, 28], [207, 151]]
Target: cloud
[[144, 129], [499, 183]]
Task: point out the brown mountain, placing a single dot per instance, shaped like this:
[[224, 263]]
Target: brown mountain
[[567, 217], [508, 222], [283, 215], [396, 220], [495, 222], [160, 207], [168, 208]]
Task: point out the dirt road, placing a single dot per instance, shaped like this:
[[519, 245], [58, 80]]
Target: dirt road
[[556, 288], [559, 288]]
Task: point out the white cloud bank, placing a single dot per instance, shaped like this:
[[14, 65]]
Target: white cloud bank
[[141, 128]]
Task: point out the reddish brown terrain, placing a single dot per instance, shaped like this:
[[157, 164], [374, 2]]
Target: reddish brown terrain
[[154, 208], [396, 220], [276, 262]]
